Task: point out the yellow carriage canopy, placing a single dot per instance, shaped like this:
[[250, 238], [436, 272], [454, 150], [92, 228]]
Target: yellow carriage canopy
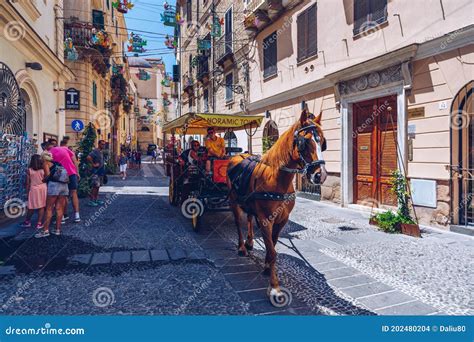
[[197, 123]]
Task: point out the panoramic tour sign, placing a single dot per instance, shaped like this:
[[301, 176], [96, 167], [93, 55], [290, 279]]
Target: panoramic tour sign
[[73, 99]]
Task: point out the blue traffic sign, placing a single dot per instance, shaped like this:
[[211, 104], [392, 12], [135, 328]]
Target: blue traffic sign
[[77, 125]]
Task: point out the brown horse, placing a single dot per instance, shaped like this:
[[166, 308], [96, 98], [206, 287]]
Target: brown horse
[[270, 195]]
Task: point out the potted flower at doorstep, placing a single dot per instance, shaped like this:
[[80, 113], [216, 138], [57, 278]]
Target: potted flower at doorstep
[[400, 221]]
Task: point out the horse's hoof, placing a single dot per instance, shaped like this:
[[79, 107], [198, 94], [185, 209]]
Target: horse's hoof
[[243, 252], [249, 246], [279, 297]]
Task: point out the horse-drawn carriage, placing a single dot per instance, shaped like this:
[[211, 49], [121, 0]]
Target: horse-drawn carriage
[[189, 184]]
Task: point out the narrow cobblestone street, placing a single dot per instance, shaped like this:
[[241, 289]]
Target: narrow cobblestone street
[[138, 255]]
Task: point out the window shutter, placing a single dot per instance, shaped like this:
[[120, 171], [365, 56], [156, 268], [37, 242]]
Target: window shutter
[[98, 19], [361, 12], [311, 27], [228, 30], [301, 36], [270, 55]]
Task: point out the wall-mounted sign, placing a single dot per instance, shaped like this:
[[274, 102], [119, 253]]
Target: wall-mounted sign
[[423, 192], [411, 131], [73, 99], [416, 113], [77, 125]]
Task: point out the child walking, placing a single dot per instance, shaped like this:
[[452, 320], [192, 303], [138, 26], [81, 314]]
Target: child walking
[[37, 191]]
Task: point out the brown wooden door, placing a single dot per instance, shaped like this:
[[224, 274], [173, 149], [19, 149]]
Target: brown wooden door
[[375, 150]]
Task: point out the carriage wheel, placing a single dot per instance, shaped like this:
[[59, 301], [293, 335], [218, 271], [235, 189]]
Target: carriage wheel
[[172, 195]]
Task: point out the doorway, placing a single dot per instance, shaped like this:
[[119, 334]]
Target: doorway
[[375, 151], [462, 160]]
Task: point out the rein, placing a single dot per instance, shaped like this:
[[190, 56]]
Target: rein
[[300, 144]]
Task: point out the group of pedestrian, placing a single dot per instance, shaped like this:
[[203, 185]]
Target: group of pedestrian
[[134, 159], [53, 179]]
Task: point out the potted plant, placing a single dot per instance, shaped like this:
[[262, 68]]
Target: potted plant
[[400, 221]]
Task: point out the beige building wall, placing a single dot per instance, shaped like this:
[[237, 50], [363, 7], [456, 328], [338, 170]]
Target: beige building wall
[[439, 54], [30, 33]]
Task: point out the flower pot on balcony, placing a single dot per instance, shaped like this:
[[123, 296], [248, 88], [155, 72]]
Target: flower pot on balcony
[[274, 8]]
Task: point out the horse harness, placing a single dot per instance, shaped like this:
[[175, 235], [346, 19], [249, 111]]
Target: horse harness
[[241, 174]]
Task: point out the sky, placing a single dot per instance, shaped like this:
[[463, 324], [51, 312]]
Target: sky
[[145, 16]]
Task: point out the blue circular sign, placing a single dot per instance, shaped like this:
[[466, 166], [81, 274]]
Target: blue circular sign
[[77, 125]]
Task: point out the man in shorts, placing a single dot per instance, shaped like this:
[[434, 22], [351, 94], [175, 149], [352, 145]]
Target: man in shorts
[[64, 156], [96, 160]]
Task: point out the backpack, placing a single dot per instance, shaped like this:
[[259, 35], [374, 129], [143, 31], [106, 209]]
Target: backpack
[[58, 174]]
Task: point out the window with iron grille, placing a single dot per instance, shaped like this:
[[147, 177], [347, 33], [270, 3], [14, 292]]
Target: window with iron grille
[[228, 30], [307, 33], [229, 83], [368, 14], [270, 55]]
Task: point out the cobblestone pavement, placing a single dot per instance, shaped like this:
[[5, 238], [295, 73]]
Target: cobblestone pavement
[[138, 255]]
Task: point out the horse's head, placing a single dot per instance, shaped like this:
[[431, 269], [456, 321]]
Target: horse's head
[[308, 146]]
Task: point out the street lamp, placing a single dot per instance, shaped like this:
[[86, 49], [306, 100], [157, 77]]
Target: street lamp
[[34, 66]]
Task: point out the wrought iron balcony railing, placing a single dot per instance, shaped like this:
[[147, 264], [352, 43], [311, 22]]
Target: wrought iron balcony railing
[[224, 48]]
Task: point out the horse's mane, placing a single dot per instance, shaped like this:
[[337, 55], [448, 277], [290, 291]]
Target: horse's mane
[[279, 154]]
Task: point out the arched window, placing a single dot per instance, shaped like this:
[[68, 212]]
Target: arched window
[[270, 135], [145, 129], [230, 139], [28, 111]]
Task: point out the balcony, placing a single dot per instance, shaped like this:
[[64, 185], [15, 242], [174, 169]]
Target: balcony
[[203, 69], [224, 50], [91, 44], [263, 12]]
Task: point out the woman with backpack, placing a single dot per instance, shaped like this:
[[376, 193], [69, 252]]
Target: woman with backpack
[[57, 180]]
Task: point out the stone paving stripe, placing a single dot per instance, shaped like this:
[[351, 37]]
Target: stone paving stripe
[[177, 253], [101, 258], [340, 273], [7, 270], [196, 255], [253, 295], [352, 280], [250, 285], [240, 269], [121, 257], [141, 256], [159, 255], [366, 289], [357, 285], [83, 259], [316, 259], [242, 276], [328, 265], [232, 262], [376, 294], [385, 300]]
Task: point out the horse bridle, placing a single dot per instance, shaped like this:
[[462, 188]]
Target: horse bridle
[[301, 142]]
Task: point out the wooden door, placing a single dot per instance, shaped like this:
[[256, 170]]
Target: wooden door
[[375, 151]]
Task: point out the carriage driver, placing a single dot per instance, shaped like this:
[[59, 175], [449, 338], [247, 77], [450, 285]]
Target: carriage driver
[[215, 147]]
